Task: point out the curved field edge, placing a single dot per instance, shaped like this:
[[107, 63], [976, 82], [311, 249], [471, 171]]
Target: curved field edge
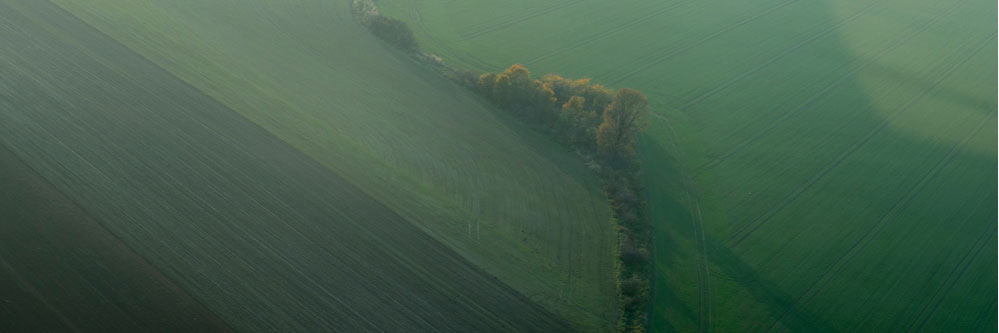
[[261, 234], [62, 271], [825, 144], [511, 201]]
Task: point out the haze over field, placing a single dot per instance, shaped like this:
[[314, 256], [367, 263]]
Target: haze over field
[[811, 165], [407, 165]]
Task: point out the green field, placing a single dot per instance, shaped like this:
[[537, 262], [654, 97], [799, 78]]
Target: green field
[[292, 173], [811, 165], [509, 200], [62, 271]]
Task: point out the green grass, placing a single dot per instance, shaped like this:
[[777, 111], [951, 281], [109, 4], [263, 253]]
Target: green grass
[[813, 165], [267, 237], [511, 201]]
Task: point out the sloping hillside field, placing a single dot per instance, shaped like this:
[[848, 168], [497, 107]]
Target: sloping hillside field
[[62, 271], [511, 201], [811, 165], [291, 173]]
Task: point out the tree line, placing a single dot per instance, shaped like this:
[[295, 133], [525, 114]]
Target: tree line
[[580, 113], [391, 30], [596, 121], [603, 124]]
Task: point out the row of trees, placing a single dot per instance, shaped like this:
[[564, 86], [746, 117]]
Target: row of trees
[[583, 114], [623, 188], [391, 30], [600, 123]]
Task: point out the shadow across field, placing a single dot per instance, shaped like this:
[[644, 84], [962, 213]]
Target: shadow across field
[[680, 245], [791, 221]]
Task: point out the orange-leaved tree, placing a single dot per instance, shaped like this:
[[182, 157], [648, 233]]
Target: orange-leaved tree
[[622, 120]]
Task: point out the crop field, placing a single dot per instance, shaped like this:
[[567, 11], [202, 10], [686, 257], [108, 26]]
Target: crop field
[[251, 198], [60, 270], [509, 200], [811, 165]]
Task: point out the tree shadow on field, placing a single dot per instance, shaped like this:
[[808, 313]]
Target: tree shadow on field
[[959, 98], [852, 113], [858, 106], [669, 249], [666, 254], [766, 293], [673, 239]]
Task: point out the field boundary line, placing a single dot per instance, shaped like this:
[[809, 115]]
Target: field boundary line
[[697, 222], [709, 37], [847, 257], [225, 219], [818, 35], [825, 91], [184, 129], [737, 239]]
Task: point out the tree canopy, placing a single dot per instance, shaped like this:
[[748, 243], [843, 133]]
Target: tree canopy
[[592, 119], [580, 112], [393, 31], [622, 120]]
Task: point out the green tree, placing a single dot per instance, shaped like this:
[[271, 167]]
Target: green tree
[[393, 31], [519, 75], [597, 96], [515, 90], [560, 87], [578, 124], [543, 103], [485, 84], [523, 90], [502, 90]]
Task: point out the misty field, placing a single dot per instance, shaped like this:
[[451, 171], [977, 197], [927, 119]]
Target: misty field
[[811, 165], [60, 270], [291, 172]]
